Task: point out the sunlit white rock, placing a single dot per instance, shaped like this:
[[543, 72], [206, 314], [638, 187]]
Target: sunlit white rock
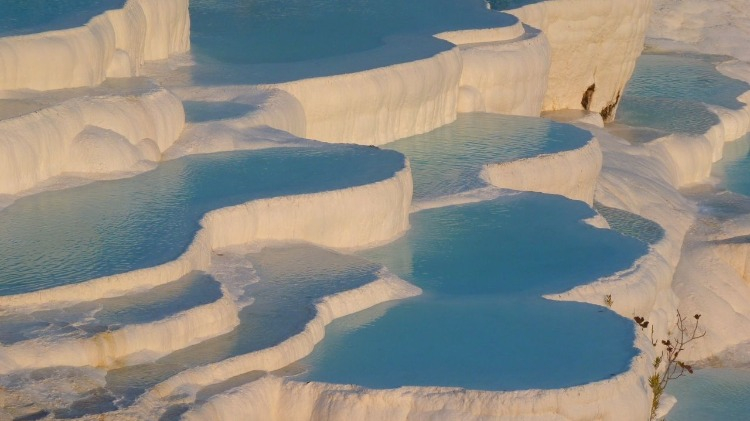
[[97, 134], [594, 43], [113, 44]]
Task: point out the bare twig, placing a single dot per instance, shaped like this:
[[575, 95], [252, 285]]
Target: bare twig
[[674, 368]]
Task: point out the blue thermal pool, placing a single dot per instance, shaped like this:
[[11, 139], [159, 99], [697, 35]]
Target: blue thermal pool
[[711, 394], [291, 280], [733, 196], [632, 225], [271, 31], [668, 92], [329, 36], [481, 322], [734, 167], [92, 317], [22, 17], [448, 160], [202, 111], [111, 227]]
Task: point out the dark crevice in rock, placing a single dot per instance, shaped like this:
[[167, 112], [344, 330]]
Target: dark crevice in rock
[[588, 96], [608, 112]]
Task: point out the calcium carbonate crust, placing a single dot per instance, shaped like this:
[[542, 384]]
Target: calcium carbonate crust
[[366, 215], [641, 180], [113, 44], [594, 44], [90, 136]]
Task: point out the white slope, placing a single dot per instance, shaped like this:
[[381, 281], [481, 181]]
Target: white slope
[[113, 44]]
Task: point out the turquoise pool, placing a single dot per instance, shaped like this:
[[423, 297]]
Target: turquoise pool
[[632, 225], [92, 317], [274, 31], [111, 227], [272, 41], [712, 394], [734, 168], [449, 159], [482, 323], [291, 280], [22, 17], [668, 91]]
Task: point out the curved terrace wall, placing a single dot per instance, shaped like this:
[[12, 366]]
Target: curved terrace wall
[[595, 45], [341, 219], [113, 44], [88, 134]]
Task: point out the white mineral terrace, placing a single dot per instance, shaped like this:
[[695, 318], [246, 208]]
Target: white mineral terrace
[[560, 55]]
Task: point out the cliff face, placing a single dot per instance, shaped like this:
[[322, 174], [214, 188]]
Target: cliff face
[[594, 44]]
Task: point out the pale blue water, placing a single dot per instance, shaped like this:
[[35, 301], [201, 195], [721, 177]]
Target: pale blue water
[[666, 92], [292, 280], [734, 168], [110, 227], [272, 31], [449, 159], [712, 394], [268, 41], [109, 314], [667, 115], [481, 323], [21, 17], [202, 111], [687, 77], [632, 225]]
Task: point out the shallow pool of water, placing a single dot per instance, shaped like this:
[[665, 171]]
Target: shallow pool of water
[[632, 225], [92, 317], [712, 394], [685, 77], [449, 159], [291, 280], [202, 111], [21, 17], [734, 168], [111, 227], [668, 91], [271, 41], [481, 323], [271, 31]]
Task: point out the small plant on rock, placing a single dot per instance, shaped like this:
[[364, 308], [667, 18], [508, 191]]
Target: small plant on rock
[[667, 365]]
